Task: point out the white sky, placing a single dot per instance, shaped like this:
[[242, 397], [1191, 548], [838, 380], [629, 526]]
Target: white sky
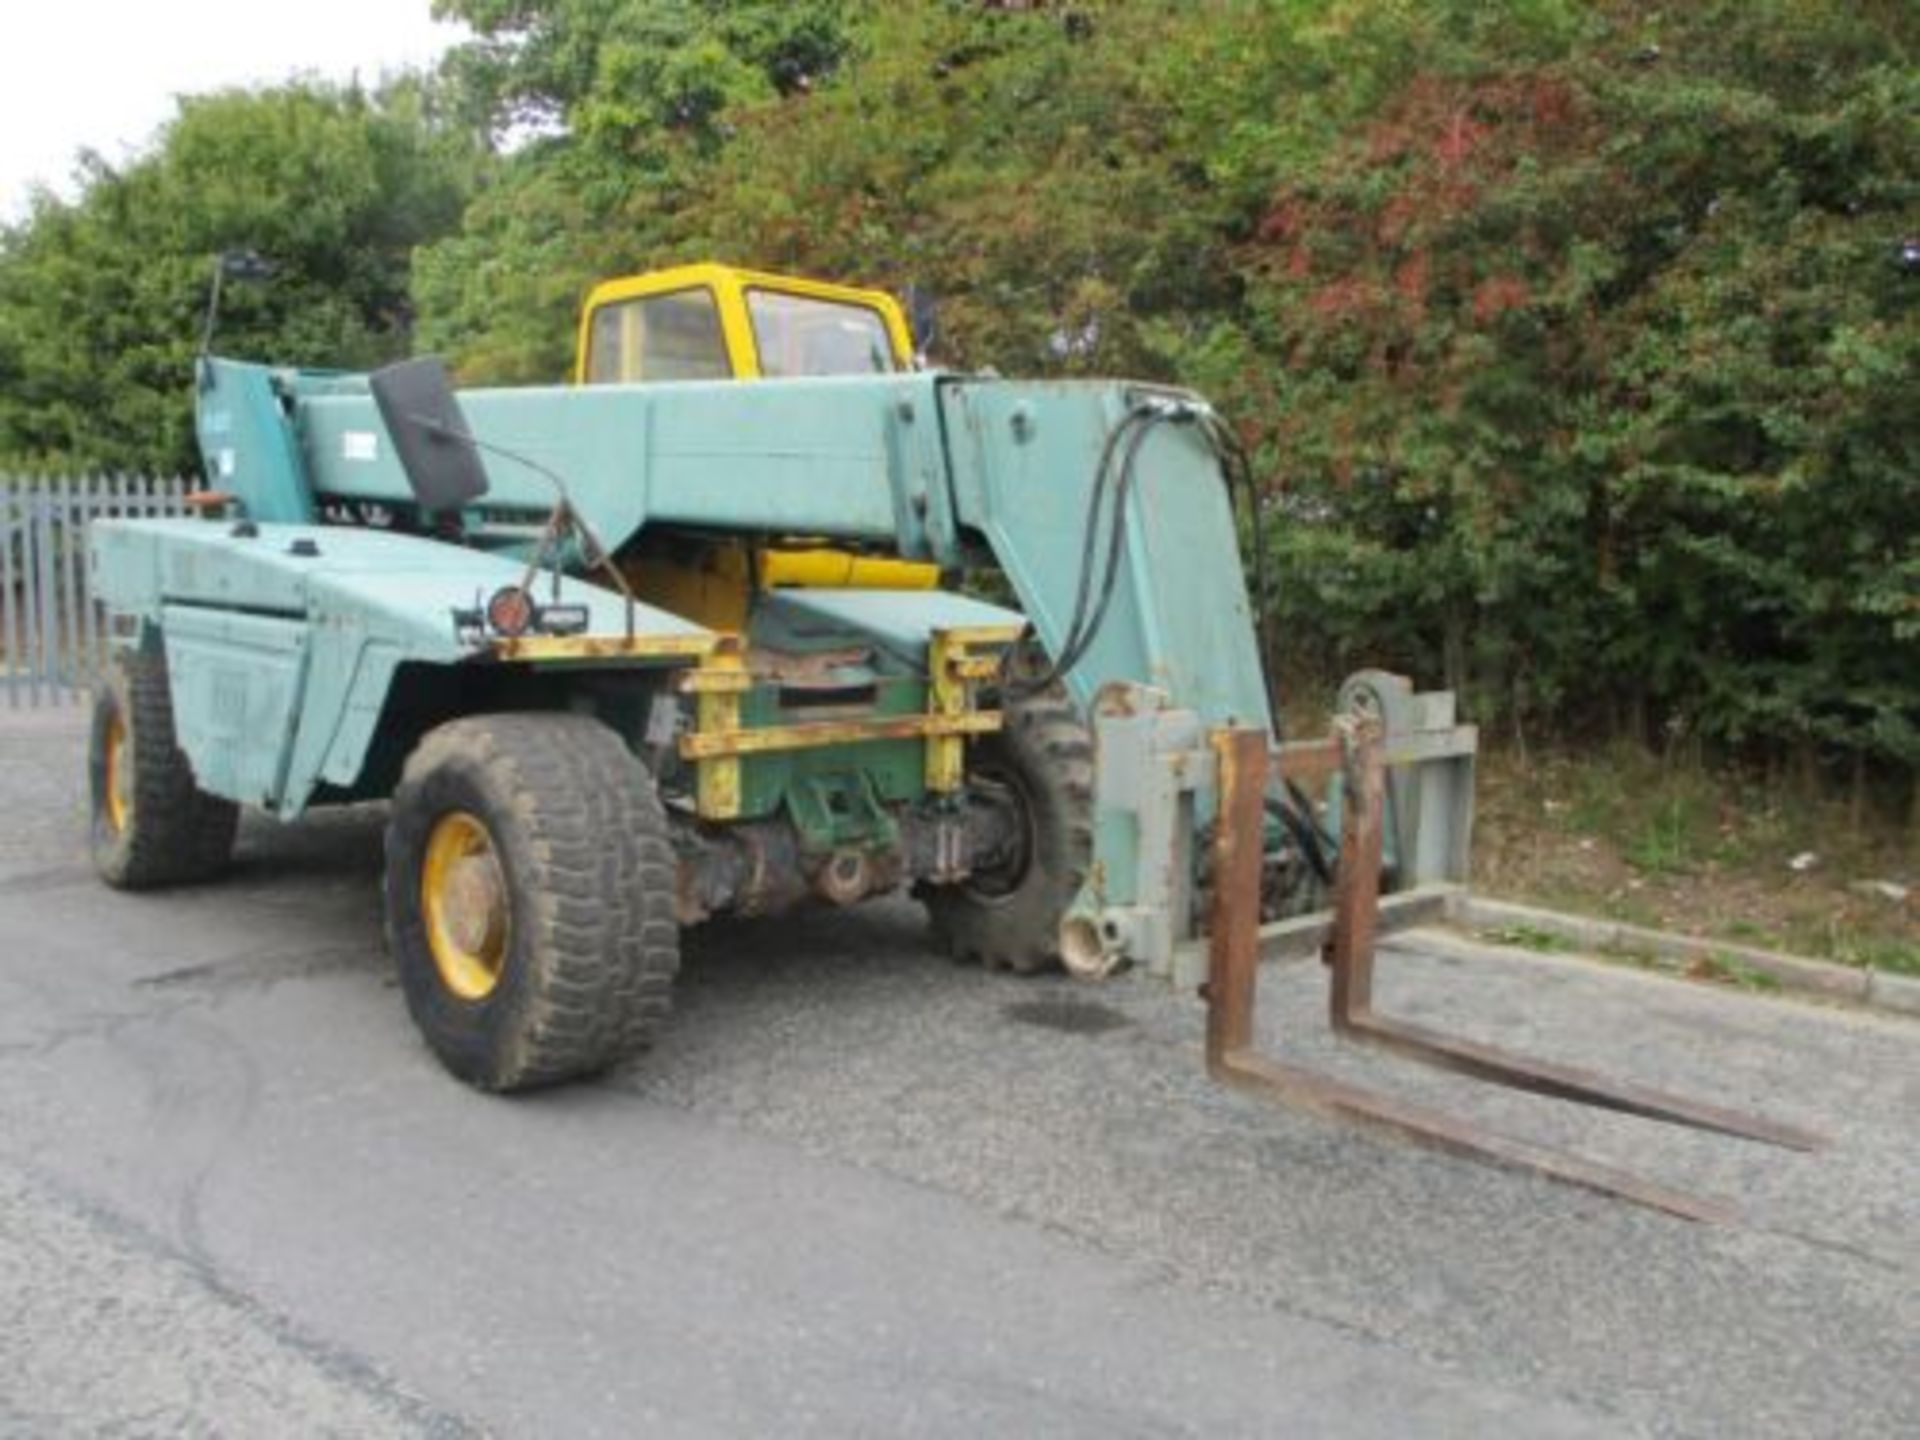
[[102, 74]]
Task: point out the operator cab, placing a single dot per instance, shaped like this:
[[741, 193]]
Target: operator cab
[[713, 322]]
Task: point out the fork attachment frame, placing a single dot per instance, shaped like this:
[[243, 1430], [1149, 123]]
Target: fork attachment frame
[[1233, 975]]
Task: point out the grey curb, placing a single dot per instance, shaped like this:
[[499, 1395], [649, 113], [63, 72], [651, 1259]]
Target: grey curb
[[1897, 993], [1894, 992]]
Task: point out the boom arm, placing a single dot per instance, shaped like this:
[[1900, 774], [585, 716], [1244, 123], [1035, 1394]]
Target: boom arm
[[954, 469]]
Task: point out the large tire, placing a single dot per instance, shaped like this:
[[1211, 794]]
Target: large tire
[[1009, 919], [151, 824], [530, 899]]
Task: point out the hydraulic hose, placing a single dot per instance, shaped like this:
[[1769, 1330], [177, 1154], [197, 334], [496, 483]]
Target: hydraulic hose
[[1124, 442]]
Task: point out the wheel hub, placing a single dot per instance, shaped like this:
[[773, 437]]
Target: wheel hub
[[993, 883], [463, 901], [117, 782]]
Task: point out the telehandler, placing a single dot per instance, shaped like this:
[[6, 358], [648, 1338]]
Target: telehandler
[[700, 634]]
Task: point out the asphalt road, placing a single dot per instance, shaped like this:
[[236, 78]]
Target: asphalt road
[[859, 1191]]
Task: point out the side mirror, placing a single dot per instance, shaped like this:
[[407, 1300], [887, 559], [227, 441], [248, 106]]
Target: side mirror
[[429, 433], [923, 318]]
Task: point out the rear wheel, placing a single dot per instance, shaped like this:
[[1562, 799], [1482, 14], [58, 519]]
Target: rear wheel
[[530, 899], [1008, 916], [151, 823]]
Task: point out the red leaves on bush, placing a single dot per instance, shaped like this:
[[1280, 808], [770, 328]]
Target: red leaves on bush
[[1498, 294], [1404, 243], [1449, 144], [1344, 299], [1413, 280], [1282, 223], [1460, 137]]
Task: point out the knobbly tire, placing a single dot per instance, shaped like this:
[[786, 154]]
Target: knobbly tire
[[551, 817], [151, 824], [1009, 918]]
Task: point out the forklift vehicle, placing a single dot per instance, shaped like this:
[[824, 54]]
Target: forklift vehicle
[[693, 636]]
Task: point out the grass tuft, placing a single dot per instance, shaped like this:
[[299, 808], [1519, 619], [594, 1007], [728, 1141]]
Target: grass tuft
[[1528, 937], [1672, 844]]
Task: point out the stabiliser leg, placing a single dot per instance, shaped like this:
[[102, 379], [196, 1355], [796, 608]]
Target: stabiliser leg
[[1233, 974]]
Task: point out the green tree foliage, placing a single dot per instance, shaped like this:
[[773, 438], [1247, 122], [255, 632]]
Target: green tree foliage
[[1593, 370], [1574, 337], [101, 299], [1029, 166], [618, 113], [615, 72]]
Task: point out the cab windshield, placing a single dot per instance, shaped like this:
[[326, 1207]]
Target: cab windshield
[[800, 335]]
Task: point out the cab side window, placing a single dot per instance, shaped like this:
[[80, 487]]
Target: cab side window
[[657, 337]]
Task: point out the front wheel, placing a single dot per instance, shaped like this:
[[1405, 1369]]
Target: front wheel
[[530, 899], [1040, 765]]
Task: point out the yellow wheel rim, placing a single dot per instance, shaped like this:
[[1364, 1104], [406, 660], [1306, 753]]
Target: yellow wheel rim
[[116, 783], [463, 899]]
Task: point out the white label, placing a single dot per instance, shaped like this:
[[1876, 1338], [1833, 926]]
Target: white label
[[224, 462], [663, 720], [359, 445]]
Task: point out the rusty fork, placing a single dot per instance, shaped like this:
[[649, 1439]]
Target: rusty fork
[[1233, 976]]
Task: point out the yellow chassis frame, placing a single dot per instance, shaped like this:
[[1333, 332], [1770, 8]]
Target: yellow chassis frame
[[958, 660]]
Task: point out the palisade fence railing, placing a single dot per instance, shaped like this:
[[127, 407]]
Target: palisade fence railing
[[53, 638]]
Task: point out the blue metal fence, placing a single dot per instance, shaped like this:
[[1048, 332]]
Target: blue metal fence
[[52, 641]]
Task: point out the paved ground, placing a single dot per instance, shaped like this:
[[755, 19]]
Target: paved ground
[[860, 1191]]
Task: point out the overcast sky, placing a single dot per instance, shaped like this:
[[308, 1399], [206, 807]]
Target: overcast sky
[[102, 74]]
